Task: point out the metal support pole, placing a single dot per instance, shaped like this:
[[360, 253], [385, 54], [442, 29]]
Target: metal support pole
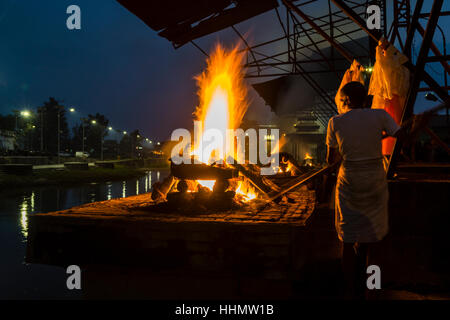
[[361, 23], [59, 133], [42, 130], [412, 28], [338, 47], [101, 143], [421, 59], [82, 148], [417, 78]]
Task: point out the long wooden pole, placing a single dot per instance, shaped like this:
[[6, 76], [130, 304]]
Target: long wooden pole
[[303, 180]]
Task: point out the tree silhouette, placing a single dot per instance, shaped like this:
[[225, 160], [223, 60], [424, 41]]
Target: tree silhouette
[[129, 143], [95, 129], [47, 121]]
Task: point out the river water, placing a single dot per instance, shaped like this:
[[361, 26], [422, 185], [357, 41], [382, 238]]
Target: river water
[[19, 280]]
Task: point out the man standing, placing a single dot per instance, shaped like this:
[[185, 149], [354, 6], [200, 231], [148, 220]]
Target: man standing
[[361, 202]]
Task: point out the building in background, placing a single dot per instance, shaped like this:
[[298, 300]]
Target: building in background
[[7, 141]]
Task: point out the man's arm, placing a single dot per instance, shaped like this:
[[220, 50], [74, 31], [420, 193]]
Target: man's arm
[[399, 134], [333, 156]]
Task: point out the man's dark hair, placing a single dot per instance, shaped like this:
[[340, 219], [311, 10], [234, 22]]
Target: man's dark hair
[[356, 93]]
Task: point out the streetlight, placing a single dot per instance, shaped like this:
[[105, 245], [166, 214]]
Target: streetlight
[[101, 138], [59, 130], [431, 97], [24, 114], [41, 110], [83, 121]]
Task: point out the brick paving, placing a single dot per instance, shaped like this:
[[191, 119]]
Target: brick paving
[[294, 213]]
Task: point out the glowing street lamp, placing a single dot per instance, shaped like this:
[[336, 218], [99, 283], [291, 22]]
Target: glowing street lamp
[[25, 113], [72, 109]]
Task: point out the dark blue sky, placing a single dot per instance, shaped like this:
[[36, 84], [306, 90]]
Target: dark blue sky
[[115, 65]]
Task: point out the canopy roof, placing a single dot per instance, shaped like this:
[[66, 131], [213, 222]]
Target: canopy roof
[[291, 93], [181, 21]]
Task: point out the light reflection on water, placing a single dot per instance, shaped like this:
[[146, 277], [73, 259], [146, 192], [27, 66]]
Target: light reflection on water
[[26, 206], [16, 206], [68, 197], [108, 195]]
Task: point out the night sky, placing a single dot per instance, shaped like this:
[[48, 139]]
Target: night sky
[[114, 65]]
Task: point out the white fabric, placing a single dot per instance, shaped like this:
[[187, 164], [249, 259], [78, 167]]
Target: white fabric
[[358, 132], [354, 73], [389, 77], [361, 203]]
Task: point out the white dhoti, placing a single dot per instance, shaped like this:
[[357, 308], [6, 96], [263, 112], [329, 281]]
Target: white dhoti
[[362, 201]]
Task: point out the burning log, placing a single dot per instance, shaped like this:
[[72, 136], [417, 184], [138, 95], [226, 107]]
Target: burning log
[[261, 183], [290, 164], [160, 189], [201, 172], [299, 181]]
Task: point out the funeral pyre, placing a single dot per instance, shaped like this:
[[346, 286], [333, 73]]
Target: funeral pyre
[[211, 180]]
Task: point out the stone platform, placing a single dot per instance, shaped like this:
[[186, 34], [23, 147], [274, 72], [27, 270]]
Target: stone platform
[[132, 248], [105, 231], [124, 238]]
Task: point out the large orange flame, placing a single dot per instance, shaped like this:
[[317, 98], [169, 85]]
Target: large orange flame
[[222, 105], [222, 96]]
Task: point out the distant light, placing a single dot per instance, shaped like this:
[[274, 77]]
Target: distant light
[[25, 113], [431, 97], [158, 143], [369, 69], [151, 141], [72, 109], [33, 127], [146, 139], [110, 128], [93, 122], [138, 136], [124, 132]]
